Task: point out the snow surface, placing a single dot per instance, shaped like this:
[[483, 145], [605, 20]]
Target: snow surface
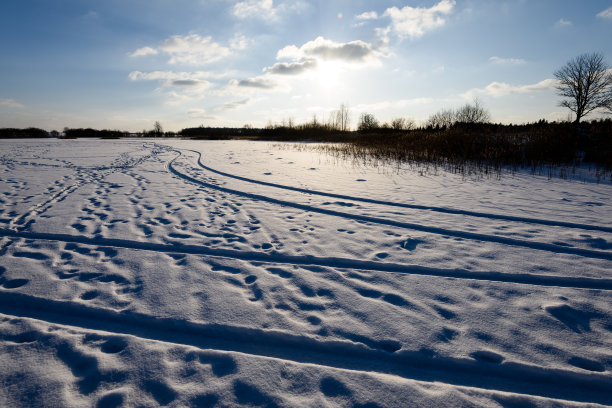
[[234, 273]]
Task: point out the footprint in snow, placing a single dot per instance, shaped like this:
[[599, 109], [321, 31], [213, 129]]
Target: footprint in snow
[[487, 356], [586, 364]]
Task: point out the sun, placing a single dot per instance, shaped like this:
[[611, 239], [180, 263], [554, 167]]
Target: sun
[[328, 75]]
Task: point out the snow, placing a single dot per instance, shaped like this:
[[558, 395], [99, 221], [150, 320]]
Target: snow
[[234, 273]]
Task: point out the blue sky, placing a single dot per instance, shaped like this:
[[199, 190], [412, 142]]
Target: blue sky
[[123, 64]]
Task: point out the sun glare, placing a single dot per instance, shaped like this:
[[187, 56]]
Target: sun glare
[[328, 76]]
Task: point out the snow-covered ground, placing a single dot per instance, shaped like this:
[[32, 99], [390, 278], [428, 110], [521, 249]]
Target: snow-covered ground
[[184, 273]]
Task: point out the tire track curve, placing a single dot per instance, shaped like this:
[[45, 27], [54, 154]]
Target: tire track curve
[[445, 210], [541, 246]]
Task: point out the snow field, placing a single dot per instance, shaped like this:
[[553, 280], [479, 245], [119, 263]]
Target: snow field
[[178, 273]]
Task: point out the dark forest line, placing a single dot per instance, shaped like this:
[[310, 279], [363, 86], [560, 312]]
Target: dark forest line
[[482, 144]]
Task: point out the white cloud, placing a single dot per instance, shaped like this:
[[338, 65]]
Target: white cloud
[[507, 61], [369, 15], [415, 21], [10, 103], [499, 89], [563, 23], [239, 42], [189, 49], [144, 51], [255, 8], [607, 14], [321, 48], [265, 9], [168, 75], [193, 50]]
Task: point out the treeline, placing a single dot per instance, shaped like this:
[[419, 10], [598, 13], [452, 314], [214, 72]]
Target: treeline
[[490, 146], [449, 142], [12, 133]]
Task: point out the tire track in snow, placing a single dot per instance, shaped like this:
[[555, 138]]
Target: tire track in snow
[[444, 210], [329, 262], [339, 354], [541, 246]]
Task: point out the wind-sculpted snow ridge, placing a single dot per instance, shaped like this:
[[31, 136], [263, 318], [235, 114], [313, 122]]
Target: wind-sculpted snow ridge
[[277, 258], [412, 226], [499, 376], [406, 205]]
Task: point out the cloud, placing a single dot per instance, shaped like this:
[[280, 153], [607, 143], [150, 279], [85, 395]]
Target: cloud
[[413, 22], [606, 14], [507, 61], [255, 8], [175, 98], [190, 81], [143, 52], [193, 50], [257, 82], [10, 103], [190, 85], [168, 75], [189, 49], [292, 68], [198, 113], [232, 105], [327, 50], [239, 42], [264, 9], [369, 15], [563, 23], [499, 89]]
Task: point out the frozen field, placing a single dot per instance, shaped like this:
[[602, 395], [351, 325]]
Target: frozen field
[[182, 273]]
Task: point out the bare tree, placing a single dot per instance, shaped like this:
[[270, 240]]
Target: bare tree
[[442, 119], [402, 124], [344, 117], [157, 128], [367, 122], [586, 82], [472, 113]]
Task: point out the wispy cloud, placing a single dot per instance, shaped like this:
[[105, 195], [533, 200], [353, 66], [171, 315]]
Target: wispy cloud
[[191, 49], [264, 9], [414, 22], [198, 113], [563, 23], [143, 52], [183, 86], [368, 15], [168, 75], [232, 105], [606, 14], [499, 89], [10, 103], [175, 98], [507, 61]]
